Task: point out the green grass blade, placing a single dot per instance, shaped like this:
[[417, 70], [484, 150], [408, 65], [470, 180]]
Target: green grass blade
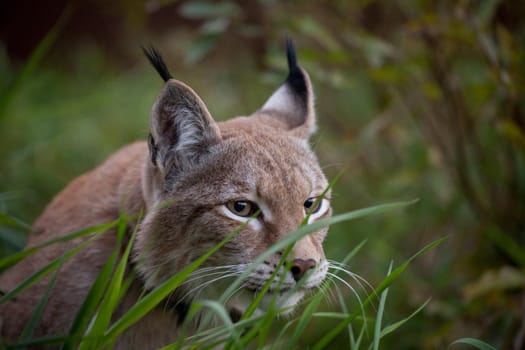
[[380, 311], [351, 338], [111, 298], [97, 291], [260, 330], [393, 327], [360, 337], [305, 318], [481, 345], [353, 253], [266, 287], [35, 277], [92, 300], [331, 314], [7, 220], [207, 336], [395, 274], [263, 332], [284, 330], [15, 258], [41, 342], [382, 286], [30, 327], [223, 315], [153, 298], [353, 342]]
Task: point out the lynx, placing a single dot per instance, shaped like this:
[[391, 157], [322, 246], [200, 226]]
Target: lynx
[[195, 180]]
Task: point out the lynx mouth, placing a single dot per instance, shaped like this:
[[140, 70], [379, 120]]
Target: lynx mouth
[[284, 294], [283, 300], [271, 291]]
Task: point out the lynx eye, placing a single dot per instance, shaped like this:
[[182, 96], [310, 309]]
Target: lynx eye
[[312, 205], [242, 208]]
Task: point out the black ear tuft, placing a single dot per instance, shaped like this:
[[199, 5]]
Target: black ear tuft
[[291, 108], [158, 63], [290, 54], [295, 79]]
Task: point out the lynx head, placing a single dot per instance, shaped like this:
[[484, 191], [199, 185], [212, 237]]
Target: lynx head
[[204, 178]]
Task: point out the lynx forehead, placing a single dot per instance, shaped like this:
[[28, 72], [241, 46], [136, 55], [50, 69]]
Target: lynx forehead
[[195, 180]]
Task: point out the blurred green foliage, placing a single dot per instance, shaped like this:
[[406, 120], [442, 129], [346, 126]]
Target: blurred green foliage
[[416, 99]]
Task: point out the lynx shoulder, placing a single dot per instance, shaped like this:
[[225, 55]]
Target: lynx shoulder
[[195, 180]]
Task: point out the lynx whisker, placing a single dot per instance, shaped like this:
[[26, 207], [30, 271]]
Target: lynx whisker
[[204, 285], [357, 278], [328, 292], [352, 289], [232, 294], [215, 275], [208, 272], [345, 283], [197, 290]]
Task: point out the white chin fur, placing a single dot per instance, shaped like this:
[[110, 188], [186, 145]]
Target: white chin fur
[[284, 303]]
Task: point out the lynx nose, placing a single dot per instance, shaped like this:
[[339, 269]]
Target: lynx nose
[[300, 267]]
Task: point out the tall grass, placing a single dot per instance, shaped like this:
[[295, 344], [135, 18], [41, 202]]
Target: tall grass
[[94, 326]]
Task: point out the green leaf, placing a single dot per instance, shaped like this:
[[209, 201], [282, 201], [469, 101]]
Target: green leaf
[[305, 318], [15, 258], [391, 328], [221, 311], [30, 327], [380, 311], [10, 221], [382, 286], [475, 343], [35, 277], [92, 300], [38, 343], [112, 296], [208, 336]]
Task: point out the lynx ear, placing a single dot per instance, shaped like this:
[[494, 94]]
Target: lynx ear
[[181, 127], [292, 104]]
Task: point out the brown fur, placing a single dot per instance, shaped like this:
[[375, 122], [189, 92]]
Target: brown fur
[[196, 166]]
